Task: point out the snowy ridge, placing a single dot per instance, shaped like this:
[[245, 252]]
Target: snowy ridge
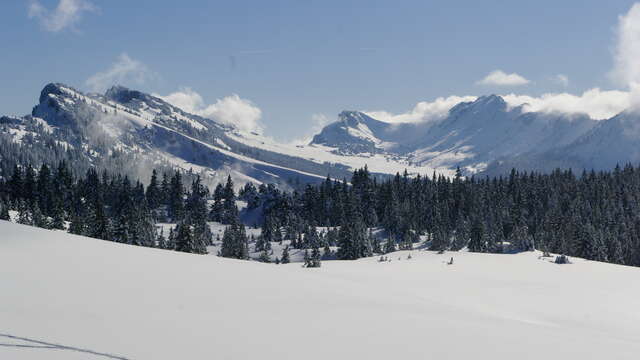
[[485, 135], [131, 122]]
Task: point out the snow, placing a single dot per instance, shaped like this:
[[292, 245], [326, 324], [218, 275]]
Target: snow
[[139, 303], [17, 134], [377, 163]]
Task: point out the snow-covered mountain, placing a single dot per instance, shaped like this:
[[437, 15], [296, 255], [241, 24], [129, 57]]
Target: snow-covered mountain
[[610, 142], [485, 134], [131, 131]]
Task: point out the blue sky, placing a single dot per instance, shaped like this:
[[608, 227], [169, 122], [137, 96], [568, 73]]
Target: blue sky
[[302, 62]]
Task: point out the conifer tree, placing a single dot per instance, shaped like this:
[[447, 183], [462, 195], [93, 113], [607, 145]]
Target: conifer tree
[[477, 241], [285, 255], [154, 193], [235, 242], [4, 212], [390, 245]]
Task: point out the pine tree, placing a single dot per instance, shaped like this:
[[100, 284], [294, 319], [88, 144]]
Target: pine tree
[[57, 216], [390, 245], [235, 242], [217, 208], [24, 214], [230, 210], [264, 256], [176, 198], [184, 239], [37, 218], [477, 242], [196, 214], [4, 212], [285, 255], [313, 260], [154, 193], [77, 225]]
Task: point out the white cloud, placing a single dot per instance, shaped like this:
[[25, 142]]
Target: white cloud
[[318, 122], [626, 70], [500, 78], [231, 110], [596, 103], [561, 79], [124, 70], [65, 15], [186, 99], [423, 111]]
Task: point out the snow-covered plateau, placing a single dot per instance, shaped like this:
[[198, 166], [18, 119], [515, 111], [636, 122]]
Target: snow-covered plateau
[[70, 297]]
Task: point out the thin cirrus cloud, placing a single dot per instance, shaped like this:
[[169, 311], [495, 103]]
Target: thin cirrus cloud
[[124, 71], [65, 15], [231, 110], [500, 78], [561, 79]]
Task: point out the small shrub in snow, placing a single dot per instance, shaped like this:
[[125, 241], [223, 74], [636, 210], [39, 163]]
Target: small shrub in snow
[[562, 259]]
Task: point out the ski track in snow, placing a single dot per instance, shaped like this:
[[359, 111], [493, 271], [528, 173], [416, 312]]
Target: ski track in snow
[[48, 345]]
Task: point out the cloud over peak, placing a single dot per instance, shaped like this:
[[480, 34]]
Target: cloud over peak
[[124, 71], [231, 110], [423, 111], [595, 103], [65, 15], [500, 78]]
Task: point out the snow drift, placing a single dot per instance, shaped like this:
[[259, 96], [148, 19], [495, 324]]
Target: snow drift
[[106, 300]]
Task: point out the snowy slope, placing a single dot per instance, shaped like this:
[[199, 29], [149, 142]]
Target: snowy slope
[[611, 142], [140, 303]]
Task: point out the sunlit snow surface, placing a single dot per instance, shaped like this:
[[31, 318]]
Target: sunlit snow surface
[[100, 299]]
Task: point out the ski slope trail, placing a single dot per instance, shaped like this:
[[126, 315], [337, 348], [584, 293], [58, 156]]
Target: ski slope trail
[[139, 303]]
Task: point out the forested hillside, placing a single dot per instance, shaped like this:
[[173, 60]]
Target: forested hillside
[[595, 215]]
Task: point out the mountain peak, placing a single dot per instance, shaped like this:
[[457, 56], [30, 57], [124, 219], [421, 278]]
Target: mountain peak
[[354, 118], [51, 88], [490, 100], [123, 95]]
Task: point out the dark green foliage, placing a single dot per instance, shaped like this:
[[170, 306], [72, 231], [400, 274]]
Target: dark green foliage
[[592, 216], [312, 260], [285, 256], [4, 212], [477, 241], [235, 242]]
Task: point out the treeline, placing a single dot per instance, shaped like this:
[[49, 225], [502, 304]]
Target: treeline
[[113, 207], [595, 216]]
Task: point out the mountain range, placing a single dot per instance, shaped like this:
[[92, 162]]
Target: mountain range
[[130, 131]]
